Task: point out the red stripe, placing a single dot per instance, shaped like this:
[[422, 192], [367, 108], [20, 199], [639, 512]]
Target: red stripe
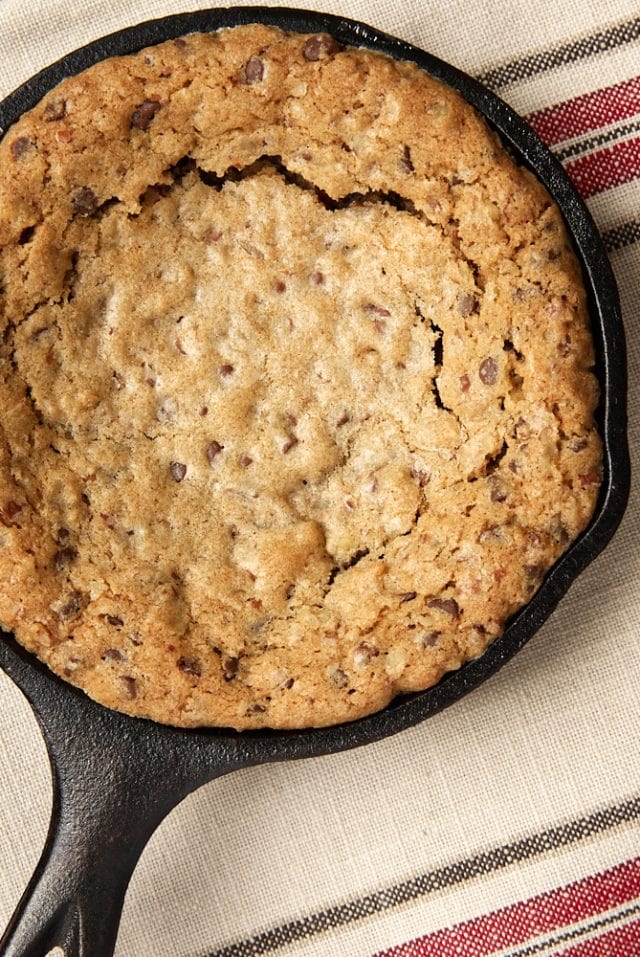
[[592, 111], [519, 923], [606, 168], [622, 942]]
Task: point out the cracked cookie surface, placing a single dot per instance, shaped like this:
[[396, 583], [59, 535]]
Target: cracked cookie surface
[[297, 393]]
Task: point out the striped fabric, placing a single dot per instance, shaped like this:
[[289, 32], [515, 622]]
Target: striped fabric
[[596, 915], [487, 935], [509, 826], [596, 136]]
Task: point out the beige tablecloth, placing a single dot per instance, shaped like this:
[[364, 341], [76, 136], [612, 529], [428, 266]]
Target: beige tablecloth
[[511, 822]]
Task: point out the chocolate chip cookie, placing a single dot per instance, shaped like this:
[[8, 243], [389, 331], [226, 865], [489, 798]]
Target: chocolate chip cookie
[[296, 388]]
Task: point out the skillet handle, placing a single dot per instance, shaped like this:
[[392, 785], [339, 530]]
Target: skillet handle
[[114, 779], [97, 833], [74, 898], [99, 827]]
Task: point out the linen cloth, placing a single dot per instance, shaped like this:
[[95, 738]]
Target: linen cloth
[[510, 823]]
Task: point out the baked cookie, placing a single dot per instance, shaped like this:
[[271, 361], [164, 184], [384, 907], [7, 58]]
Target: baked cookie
[[296, 391]]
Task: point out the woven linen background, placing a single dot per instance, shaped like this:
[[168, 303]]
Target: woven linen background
[[552, 738]]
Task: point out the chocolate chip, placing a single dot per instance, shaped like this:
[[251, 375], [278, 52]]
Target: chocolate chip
[[112, 654], [85, 202], [364, 653], [578, 444], [203, 411], [289, 444], [226, 370], [11, 509], [408, 596], [405, 164], [429, 639], [178, 471], [465, 383], [448, 605], [143, 114], [344, 418], [21, 146], [317, 278], [190, 666], [590, 478], [534, 572], [468, 304], [56, 110], [129, 686], [70, 607], [420, 475], [320, 46], [255, 709], [339, 678], [63, 535], [63, 558], [114, 621], [230, 666], [378, 310], [498, 491], [279, 286], [245, 461], [488, 371], [253, 70], [213, 449]]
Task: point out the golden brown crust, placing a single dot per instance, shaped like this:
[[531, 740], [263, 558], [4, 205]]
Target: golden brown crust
[[297, 402]]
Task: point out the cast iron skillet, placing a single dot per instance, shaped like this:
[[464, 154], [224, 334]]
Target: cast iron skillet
[[115, 777]]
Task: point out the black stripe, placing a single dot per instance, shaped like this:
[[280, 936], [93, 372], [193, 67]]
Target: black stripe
[[621, 236], [527, 66], [448, 876], [602, 922], [599, 139]]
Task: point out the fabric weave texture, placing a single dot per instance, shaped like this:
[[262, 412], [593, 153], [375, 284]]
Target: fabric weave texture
[[510, 823]]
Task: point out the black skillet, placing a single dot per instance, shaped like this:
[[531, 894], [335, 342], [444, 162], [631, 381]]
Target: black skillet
[[114, 777]]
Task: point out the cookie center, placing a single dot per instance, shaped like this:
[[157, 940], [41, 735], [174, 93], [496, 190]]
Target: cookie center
[[243, 357]]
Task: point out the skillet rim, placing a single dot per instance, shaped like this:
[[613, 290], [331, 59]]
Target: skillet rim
[[46, 690]]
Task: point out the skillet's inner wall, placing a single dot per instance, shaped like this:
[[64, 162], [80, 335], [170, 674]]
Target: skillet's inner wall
[[296, 379]]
